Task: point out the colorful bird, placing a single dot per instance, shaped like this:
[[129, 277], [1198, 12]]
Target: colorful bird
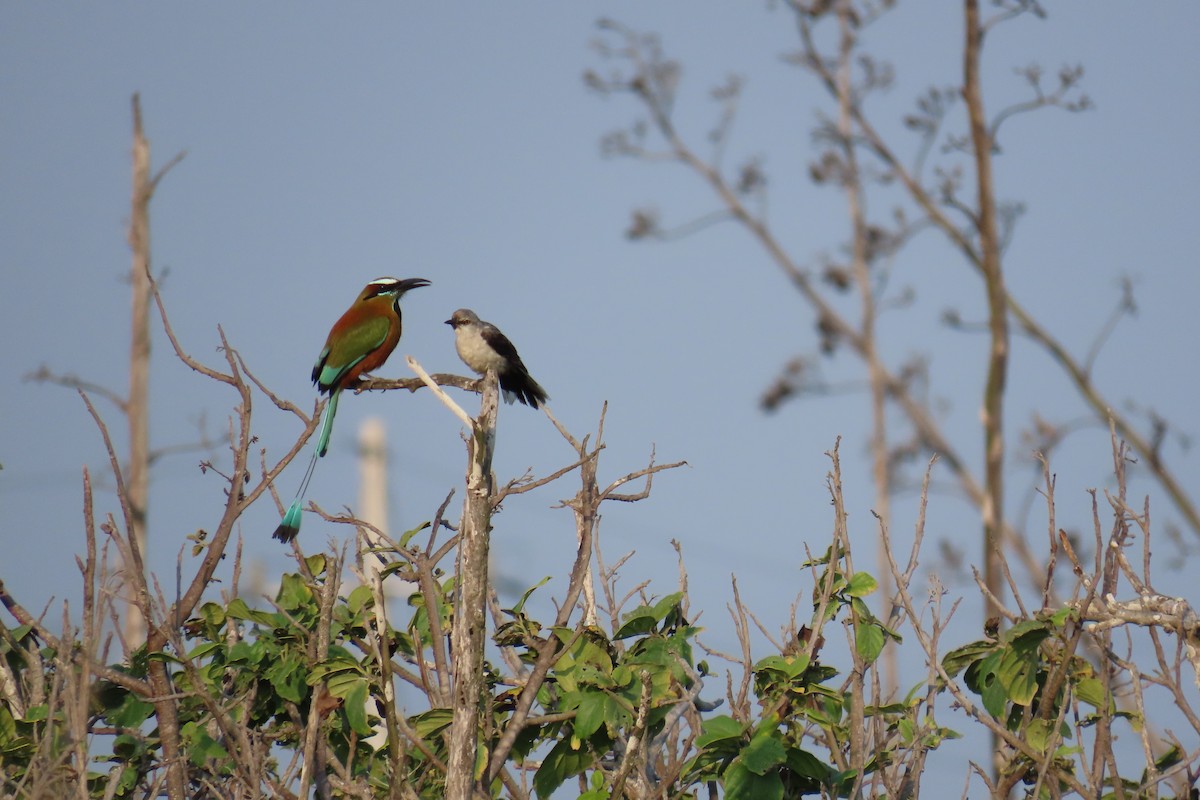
[[482, 346], [359, 342]]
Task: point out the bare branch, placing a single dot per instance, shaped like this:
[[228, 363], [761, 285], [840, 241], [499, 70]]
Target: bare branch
[[454, 407], [43, 374]]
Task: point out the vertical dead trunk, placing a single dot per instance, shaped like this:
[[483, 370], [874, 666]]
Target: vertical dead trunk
[[137, 403], [989, 250], [997, 299], [137, 471], [468, 634]]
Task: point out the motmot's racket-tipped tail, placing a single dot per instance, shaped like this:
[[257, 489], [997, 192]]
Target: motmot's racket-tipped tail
[[290, 526], [327, 423]]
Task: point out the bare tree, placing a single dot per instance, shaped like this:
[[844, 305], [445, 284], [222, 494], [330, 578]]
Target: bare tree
[[135, 405], [933, 180]]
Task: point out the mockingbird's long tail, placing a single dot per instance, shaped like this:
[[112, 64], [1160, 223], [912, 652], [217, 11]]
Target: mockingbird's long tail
[[518, 385]]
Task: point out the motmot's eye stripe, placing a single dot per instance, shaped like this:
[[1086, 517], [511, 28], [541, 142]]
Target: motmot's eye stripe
[[382, 286]]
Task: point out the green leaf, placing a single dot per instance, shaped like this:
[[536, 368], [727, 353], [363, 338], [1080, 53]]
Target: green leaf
[[806, 765], [515, 610], [1025, 628], [719, 729], [819, 560], [742, 784], [993, 695], [1091, 691], [343, 682], [205, 650], [239, 610], [861, 584], [587, 663], [891, 633], [836, 585], [213, 614], [432, 722], [1038, 734], [128, 747], [202, 747], [36, 713], [592, 675], [481, 760], [1017, 673], [129, 779], [764, 753], [1060, 617], [316, 564], [287, 676], [360, 598], [596, 789], [644, 619], [596, 709], [560, 763], [245, 653], [791, 666], [638, 622], [294, 593], [408, 535], [131, 713], [959, 659], [868, 641], [862, 609], [622, 676], [1170, 758], [667, 605], [8, 727], [396, 566], [355, 706], [159, 656], [589, 715]]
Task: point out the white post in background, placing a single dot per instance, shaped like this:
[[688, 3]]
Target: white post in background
[[373, 508], [372, 492], [373, 503]]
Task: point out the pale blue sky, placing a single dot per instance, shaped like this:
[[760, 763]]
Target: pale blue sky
[[331, 145]]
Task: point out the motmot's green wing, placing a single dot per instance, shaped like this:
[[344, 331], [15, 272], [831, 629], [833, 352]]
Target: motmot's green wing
[[346, 348]]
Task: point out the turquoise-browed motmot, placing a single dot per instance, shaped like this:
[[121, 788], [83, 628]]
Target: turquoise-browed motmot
[[359, 342]]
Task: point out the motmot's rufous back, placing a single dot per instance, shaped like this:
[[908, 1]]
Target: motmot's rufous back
[[359, 342]]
